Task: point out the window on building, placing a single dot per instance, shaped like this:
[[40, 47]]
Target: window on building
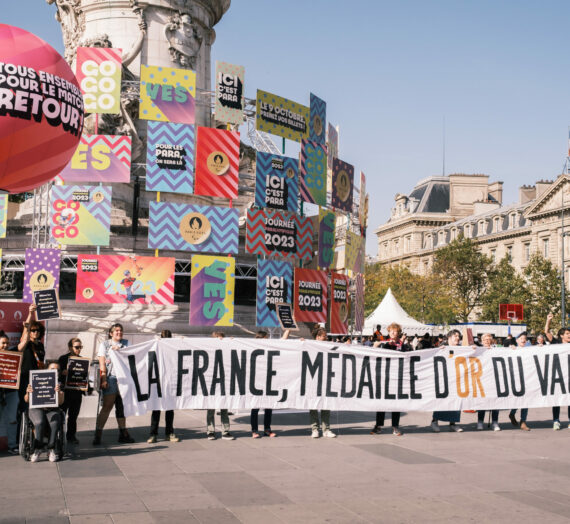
[[396, 247], [481, 229], [441, 239], [493, 255], [527, 252], [510, 253], [407, 244], [545, 247], [426, 267], [496, 224], [467, 231]]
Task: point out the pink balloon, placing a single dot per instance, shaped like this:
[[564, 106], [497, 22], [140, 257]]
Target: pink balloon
[[41, 111]]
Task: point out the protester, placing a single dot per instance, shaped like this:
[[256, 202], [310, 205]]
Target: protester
[[33, 353], [487, 341], [73, 397], [110, 387], [453, 338], [42, 416], [521, 341], [541, 339], [377, 335], [9, 405], [168, 414], [395, 342]]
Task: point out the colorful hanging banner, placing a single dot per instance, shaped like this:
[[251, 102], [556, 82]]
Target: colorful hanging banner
[[114, 279], [313, 173], [363, 205], [318, 121], [342, 185], [310, 299], [185, 227], [80, 215], [100, 158], [229, 93], [359, 303], [170, 157], [41, 271], [327, 230], [332, 145], [273, 232], [274, 286], [339, 304], [353, 252], [282, 117], [3, 215], [212, 291], [98, 71], [167, 94], [276, 182], [217, 163]]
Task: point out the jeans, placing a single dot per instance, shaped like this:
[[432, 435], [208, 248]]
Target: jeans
[[72, 406], [556, 413], [225, 420], [380, 415], [524, 413], [39, 418], [9, 415], [266, 420], [168, 420], [494, 416], [325, 419]]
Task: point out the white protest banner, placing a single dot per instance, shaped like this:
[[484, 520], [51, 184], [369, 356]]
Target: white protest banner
[[208, 373]]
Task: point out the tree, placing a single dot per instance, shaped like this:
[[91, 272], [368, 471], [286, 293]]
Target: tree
[[506, 286], [466, 272]]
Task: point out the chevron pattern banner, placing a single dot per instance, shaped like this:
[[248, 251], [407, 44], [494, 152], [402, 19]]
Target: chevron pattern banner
[[80, 215], [100, 158], [327, 231], [217, 163], [342, 185], [310, 295], [3, 215], [272, 232], [359, 303], [170, 157], [339, 304], [212, 291], [116, 279], [318, 121], [186, 227], [313, 173], [276, 182], [41, 271], [274, 285]]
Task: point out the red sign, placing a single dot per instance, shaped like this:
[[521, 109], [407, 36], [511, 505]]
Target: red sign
[[12, 316], [10, 362], [513, 312], [310, 295]]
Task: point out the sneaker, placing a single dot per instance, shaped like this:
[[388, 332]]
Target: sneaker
[[315, 433], [524, 427], [13, 451], [152, 439], [513, 420], [556, 426], [495, 426], [228, 436], [125, 438], [269, 433], [211, 436], [255, 435], [35, 456], [52, 457], [568, 425], [479, 426], [457, 429], [376, 430], [171, 437], [328, 433], [434, 427], [396, 432]]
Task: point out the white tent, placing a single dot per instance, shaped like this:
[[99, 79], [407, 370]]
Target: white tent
[[389, 311]]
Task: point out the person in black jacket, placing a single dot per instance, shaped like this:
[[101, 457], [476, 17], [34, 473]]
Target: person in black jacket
[[395, 342], [33, 353], [73, 397]]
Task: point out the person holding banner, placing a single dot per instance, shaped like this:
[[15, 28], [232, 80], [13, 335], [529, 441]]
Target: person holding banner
[[487, 341], [110, 386], [395, 342], [33, 352], [521, 343], [453, 338], [9, 404], [168, 415], [73, 397]]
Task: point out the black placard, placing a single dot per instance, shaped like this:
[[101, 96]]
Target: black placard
[[47, 304], [286, 318], [77, 373], [43, 393]]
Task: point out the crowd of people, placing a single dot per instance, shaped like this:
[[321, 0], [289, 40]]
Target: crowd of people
[[13, 403]]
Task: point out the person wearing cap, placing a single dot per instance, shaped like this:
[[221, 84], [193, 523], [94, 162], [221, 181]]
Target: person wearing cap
[[521, 341]]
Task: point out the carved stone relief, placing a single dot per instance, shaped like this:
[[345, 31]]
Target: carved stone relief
[[185, 35]]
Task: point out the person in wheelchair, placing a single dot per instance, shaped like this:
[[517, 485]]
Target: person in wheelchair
[[53, 417]]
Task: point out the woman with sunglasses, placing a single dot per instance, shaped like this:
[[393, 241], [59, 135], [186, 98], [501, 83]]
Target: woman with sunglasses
[[73, 397]]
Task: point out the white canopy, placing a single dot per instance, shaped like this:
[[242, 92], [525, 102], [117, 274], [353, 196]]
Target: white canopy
[[389, 311]]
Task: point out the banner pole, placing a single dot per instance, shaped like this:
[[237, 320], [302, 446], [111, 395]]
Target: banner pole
[[158, 200]]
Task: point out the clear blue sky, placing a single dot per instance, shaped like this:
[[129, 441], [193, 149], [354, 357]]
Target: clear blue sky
[[391, 70]]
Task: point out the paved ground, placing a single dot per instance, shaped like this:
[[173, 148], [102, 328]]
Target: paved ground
[[419, 477]]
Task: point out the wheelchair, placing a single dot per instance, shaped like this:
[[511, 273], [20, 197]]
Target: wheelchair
[[27, 437]]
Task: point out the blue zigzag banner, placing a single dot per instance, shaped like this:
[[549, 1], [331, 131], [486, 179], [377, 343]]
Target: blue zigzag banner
[[274, 285], [201, 229], [170, 157], [318, 123], [276, 182]]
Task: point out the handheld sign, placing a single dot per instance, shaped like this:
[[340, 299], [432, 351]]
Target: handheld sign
[[286, 318], [77, 374], [43, 393], [47, 304], [10, 363]]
